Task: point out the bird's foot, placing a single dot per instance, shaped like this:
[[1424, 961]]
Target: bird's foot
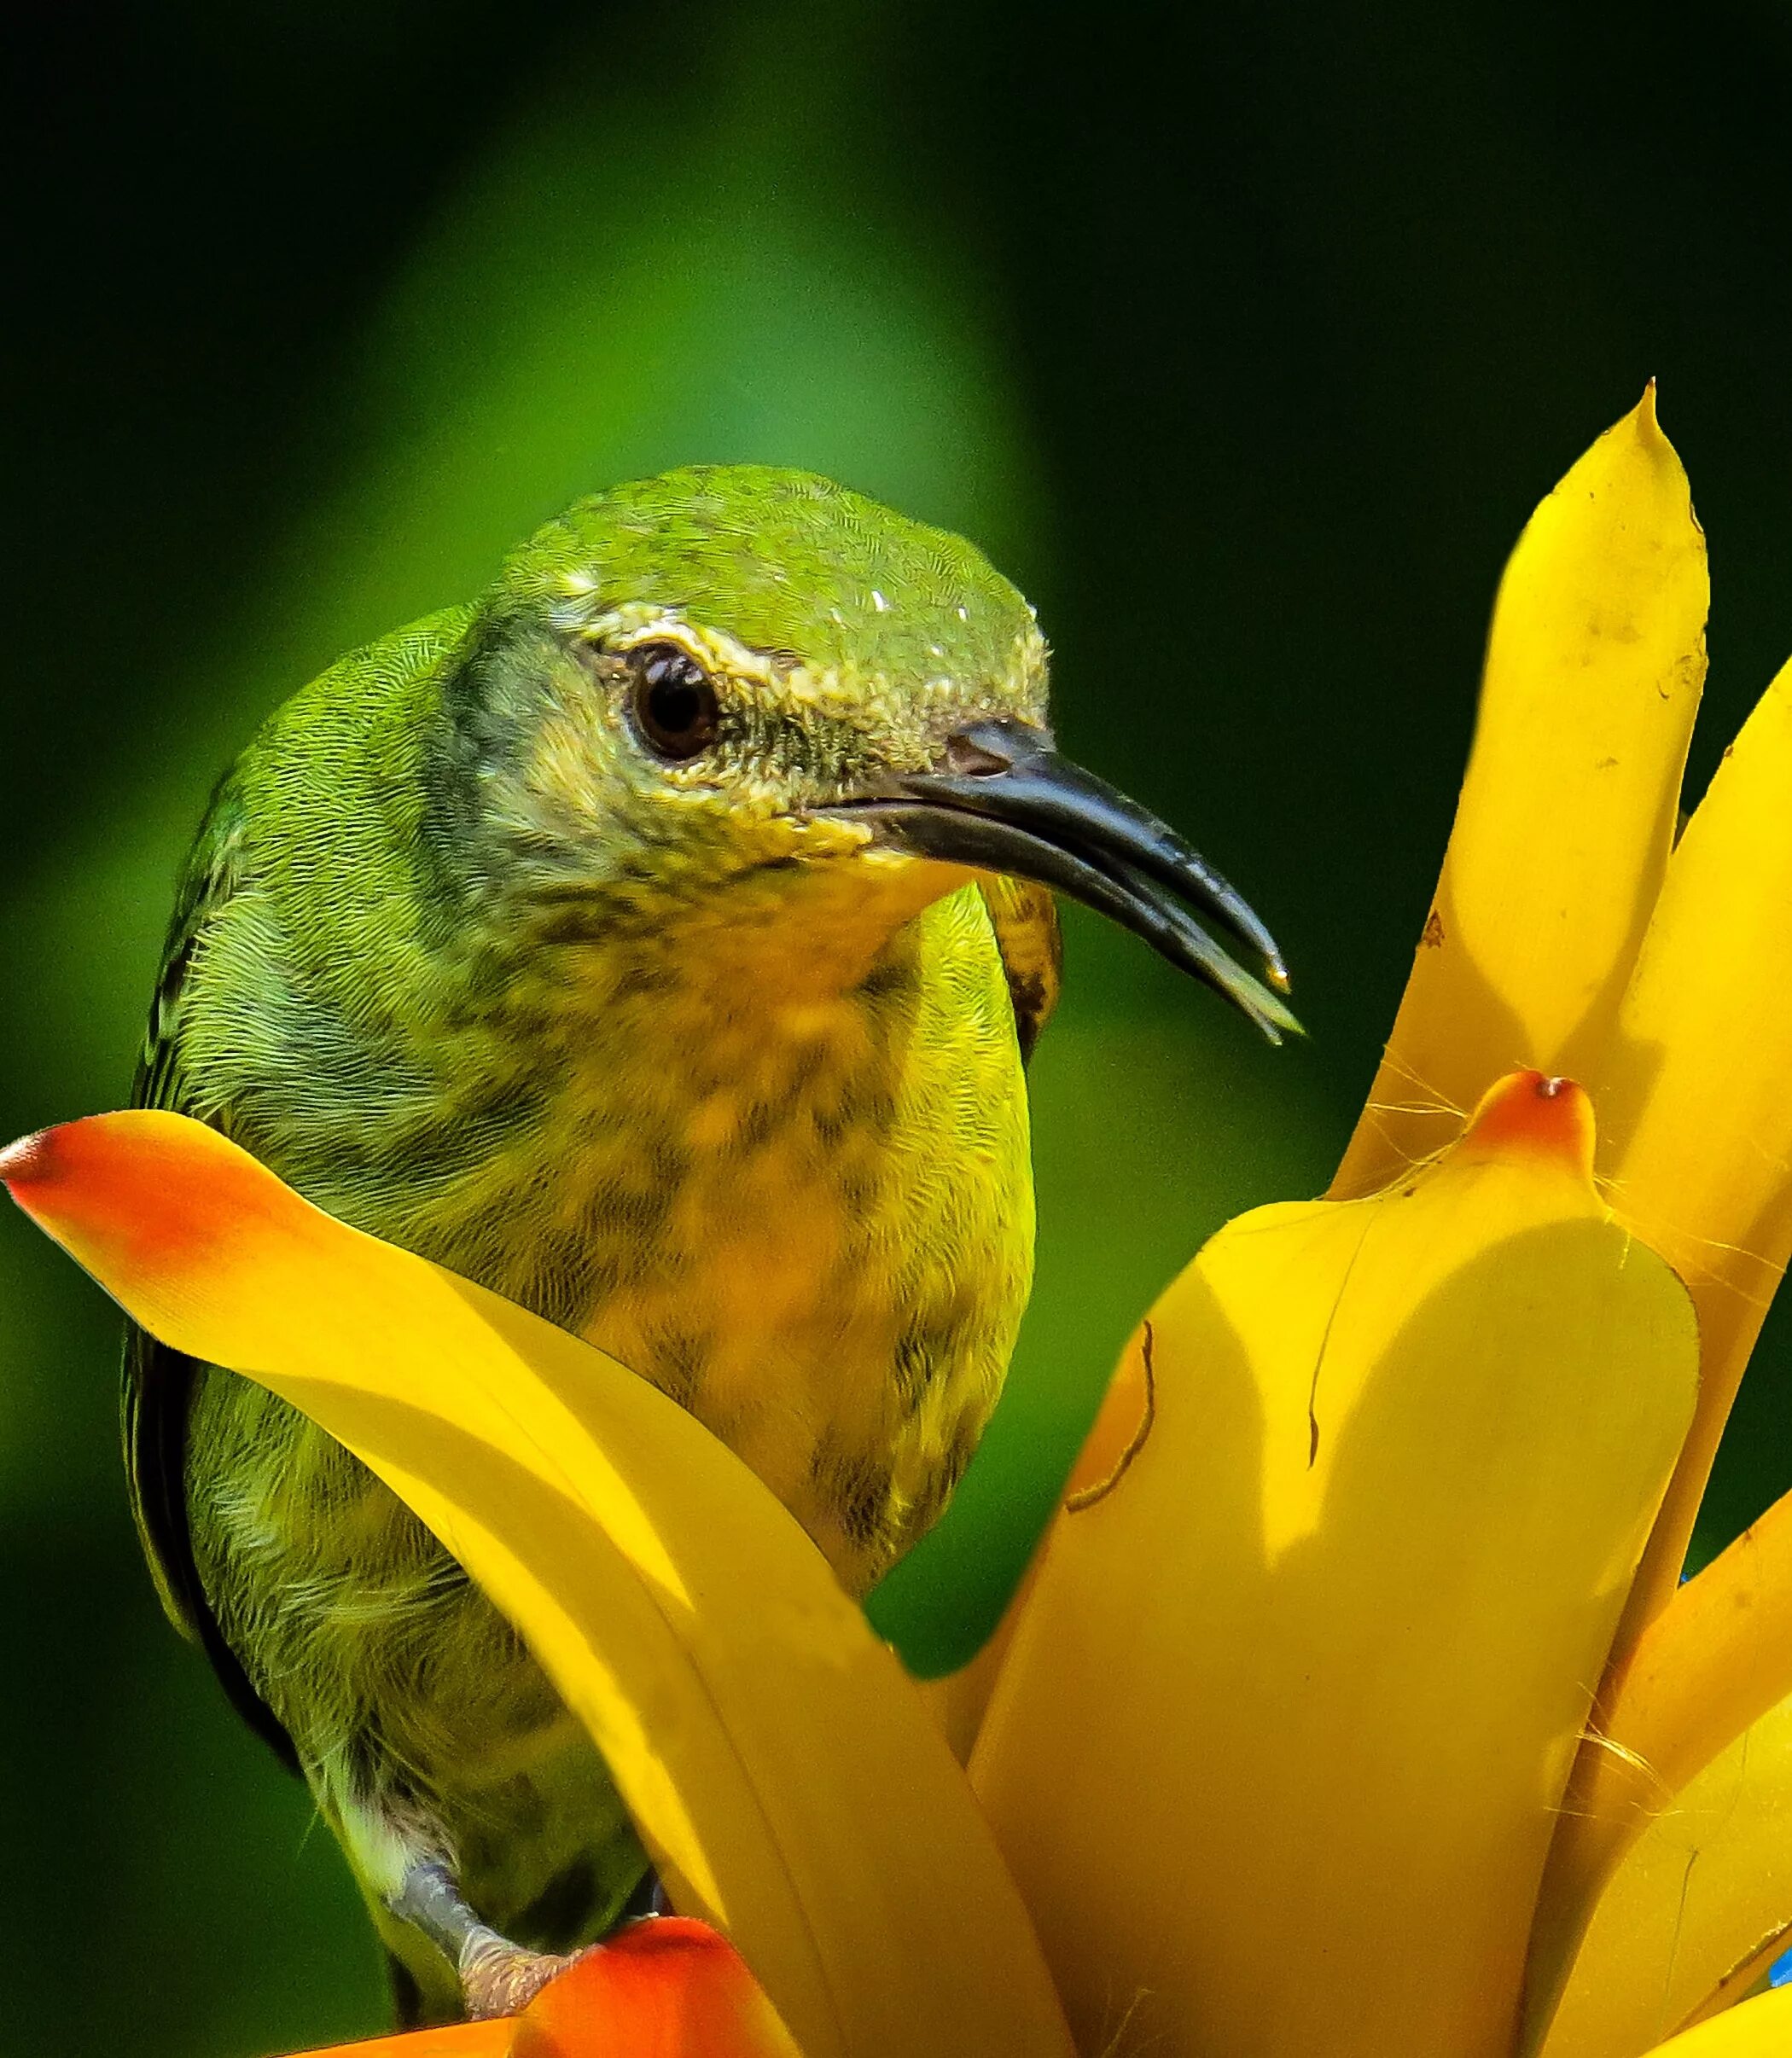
[[498, 1978]]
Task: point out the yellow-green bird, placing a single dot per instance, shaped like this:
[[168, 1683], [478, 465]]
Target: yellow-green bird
[[657, 941]]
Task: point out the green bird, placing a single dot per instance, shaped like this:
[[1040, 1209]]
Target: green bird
[[657, 941]]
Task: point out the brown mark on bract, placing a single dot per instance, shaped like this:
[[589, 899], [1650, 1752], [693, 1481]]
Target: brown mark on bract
[[1074, 1504], [1432, 935]]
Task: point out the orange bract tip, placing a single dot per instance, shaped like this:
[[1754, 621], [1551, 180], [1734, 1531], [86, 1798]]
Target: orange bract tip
[[30, 1160], [665, 1988], [144, 1182], [1529, 1113]]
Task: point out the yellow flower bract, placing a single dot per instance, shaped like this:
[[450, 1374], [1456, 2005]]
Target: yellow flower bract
[[1328, 1648], [1595, 662]]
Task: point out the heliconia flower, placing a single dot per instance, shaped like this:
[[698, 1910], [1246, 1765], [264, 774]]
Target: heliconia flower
[[1352, 1706]]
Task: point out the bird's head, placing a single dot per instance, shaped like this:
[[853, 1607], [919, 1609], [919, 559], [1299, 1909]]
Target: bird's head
[[735, 696]]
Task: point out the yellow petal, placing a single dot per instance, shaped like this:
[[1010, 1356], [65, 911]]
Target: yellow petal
[[1714, 1662], [1717, 1657], [1761, 2028], [1696, 1097], [1325, 1647], [1594, 666], [1703, 1894], [777, 1762], [958, 1700]]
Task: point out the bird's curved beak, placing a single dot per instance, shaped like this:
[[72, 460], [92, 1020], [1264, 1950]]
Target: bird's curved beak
[[1003, 800]]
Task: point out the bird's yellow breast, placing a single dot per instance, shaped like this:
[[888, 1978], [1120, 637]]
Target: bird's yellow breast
[[835, 1279], [780, 1167]]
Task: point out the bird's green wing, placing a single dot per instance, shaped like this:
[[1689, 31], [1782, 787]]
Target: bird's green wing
[[158, 1382], [1025, 917]]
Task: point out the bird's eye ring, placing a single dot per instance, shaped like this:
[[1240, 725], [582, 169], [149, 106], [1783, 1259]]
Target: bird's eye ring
[[672, 701]]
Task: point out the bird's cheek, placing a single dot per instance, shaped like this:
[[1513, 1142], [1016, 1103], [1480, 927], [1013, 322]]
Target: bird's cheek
[[816, 837]]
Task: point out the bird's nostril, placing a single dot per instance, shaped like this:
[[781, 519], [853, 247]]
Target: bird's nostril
[[975, 760]]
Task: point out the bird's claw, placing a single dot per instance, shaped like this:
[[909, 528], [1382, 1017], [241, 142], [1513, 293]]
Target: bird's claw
[[501, 1978]]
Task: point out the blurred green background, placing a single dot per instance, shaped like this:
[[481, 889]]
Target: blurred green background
[[1243, 337]]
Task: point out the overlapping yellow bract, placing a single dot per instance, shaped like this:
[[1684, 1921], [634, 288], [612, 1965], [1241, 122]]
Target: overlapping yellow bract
[[1761, 2028], [1564, 935], [1327, 1646], [1694, 1090], [1691, 1712], [1595, 663], [1699, 1906], [777, 1762]]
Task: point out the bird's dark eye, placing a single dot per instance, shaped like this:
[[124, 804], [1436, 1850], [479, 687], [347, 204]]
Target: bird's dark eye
[[672, 701]]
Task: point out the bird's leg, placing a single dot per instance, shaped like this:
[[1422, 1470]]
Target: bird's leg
[[497, 1977]]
